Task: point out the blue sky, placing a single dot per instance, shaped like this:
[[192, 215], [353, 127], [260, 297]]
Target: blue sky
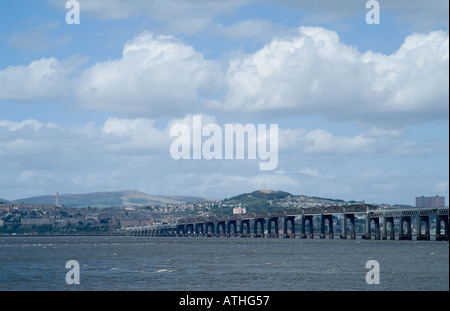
[[362, 109]]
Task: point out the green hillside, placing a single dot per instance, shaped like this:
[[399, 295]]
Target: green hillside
[[269, 200], [260, 195], [261, 200]]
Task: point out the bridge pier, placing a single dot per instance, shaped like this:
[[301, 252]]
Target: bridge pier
[[303, 234], [199, 229], [269, 227], [439, 220], [323, 218], [180, 230], [426, 234], [287, 220], [234, 224], [367, 230], [402, 235], [190, 229], [209, 225], [173, 232], [350, 217], [388, 221], [245, 223], [221, 225], [260, 222], [376, 222]]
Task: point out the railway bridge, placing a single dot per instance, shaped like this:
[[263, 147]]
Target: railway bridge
[[378, 224]]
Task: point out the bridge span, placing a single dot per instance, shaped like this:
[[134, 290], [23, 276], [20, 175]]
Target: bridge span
[[377, 223]]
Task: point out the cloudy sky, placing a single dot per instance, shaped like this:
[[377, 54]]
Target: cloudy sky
[[362, 110]]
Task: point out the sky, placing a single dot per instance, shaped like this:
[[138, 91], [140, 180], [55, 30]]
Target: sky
[[362, 109]]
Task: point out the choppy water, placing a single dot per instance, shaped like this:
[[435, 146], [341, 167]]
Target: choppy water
[[224, 264]]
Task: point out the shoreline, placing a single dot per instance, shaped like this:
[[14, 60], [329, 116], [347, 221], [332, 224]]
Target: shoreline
[[316, 237], [54, 235]]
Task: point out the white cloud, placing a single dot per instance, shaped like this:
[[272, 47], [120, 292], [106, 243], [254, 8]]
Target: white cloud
[[175, 16], [40, 158], [156, 75], [319, 141], [315, 173], [375, 142], [44, 78], [311, 72], [34, 125], [135, 134], [314, 73]]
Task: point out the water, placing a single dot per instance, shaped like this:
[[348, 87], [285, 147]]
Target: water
[[220, 264]]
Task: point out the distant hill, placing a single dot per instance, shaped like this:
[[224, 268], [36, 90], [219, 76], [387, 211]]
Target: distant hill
[[3, 200], [256, 201], [114, 198], [260, 195], [267, 200]]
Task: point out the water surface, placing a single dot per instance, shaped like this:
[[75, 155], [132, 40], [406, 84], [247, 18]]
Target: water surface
[[224, 264]]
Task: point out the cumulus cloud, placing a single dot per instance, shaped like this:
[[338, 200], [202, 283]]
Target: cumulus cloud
[[314, 73], [134, 135], [43, 78], [375, 142], [156, 75], [311, 72]]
